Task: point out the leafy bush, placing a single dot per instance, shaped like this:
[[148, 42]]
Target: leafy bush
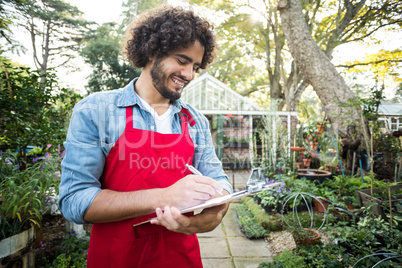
[[268, 222], [286, 260], [74, 251], [32, 112], [328, 256], [24, 193], [368, 235], [248, 223]]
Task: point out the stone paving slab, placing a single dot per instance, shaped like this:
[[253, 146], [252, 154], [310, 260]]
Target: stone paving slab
[[217, 263], [227, 246], [217, 232], [248, 262], [231, 223], [244, 247], [214, 247]]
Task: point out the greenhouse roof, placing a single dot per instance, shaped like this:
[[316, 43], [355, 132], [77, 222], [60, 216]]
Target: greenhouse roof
[[211, 96], [390, 109]]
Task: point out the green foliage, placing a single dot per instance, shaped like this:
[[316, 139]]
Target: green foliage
[[368, 235], [56, 29], [248, 223], [24, 193], [268, 222], [74, 253], [347, 185], [287, 259], [132, 8], [103, 52], [32, 112], [272, 156], [7, 19], [328, 256]]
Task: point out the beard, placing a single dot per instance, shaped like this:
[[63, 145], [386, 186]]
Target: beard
[[159, 80]]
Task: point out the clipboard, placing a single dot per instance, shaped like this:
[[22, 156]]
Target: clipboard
[[255, 183]]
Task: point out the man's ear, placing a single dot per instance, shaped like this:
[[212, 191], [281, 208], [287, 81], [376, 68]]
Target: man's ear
[[151, 58]]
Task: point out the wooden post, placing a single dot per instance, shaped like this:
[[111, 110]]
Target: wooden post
[[353, 163], [233, 181], [390, 205]]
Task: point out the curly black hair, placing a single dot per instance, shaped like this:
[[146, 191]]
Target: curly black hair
[[159, 31]]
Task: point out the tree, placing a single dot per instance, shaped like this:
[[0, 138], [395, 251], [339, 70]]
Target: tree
[[252, 36], [103, 52], [134, 7], [103, 46], [6, 20], [32, 112], [56, 30], [315, 65]]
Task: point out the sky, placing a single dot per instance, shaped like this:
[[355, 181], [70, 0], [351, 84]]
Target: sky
[[100, 10]]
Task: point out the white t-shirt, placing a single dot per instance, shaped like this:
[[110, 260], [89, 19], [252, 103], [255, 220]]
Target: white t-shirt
[[163, 122]]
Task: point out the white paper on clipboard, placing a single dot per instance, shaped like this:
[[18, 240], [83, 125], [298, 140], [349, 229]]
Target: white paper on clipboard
[[254, 185]]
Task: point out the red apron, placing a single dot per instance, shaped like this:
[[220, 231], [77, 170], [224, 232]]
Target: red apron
[[143, 159]]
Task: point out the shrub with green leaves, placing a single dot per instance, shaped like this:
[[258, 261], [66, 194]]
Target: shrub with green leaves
[[24, 193], [32, 112], [248, 223], [287, 259]]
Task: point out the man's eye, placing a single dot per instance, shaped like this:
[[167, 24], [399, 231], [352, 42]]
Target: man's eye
[[196, 69], [180, 62]]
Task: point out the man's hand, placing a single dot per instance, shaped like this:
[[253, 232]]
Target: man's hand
[[206, 221], [190, 191]]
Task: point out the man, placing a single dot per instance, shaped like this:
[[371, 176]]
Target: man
[[127, 150]]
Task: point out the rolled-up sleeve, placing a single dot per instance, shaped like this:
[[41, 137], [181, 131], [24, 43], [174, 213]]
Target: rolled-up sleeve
[[83, 163]]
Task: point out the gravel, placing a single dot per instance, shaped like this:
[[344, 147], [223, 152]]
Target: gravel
[[278, 241]]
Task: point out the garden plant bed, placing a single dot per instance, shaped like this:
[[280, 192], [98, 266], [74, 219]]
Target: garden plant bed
[[54, 233], [364, 198]]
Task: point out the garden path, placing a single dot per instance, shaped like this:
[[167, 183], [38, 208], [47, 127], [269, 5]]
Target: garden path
[[227, 246]]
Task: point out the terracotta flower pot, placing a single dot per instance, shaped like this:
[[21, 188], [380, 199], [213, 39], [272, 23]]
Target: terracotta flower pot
[[297, 149], [309, 237], [320, 207], [306, 162], [314, 145], [320, 128]]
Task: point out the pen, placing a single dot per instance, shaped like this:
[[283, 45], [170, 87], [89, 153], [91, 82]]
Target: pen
[[196, 172]]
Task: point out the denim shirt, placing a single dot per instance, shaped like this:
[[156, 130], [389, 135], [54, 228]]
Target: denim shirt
[[96, 124]]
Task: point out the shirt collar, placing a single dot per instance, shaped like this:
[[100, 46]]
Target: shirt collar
[[130, 98]]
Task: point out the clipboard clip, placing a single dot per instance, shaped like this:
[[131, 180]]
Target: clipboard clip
[[255, 182]]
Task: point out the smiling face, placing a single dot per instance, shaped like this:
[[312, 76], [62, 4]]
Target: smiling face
[[172, 73]]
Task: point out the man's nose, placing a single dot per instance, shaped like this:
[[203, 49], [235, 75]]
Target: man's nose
[[188, 72]]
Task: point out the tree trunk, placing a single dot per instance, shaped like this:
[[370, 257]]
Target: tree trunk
[[316, 67]]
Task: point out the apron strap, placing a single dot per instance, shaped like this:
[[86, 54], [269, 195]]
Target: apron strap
[[129, 117], [189, 118]]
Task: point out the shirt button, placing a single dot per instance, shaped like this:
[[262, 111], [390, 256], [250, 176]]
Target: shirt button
[[152, 128]]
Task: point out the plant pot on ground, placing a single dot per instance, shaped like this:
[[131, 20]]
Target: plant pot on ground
[[306, 237], [320, 205]]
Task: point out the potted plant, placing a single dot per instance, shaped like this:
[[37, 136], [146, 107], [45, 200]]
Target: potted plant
[[305, 237], [302, 226], [334, 169], [307, 156], [324, 196], [23, 197], [312, 137]]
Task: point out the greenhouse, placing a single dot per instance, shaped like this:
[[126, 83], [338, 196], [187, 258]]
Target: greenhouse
[[234, 119]]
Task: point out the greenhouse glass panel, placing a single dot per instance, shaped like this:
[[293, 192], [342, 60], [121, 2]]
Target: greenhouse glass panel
[[207, 93]]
